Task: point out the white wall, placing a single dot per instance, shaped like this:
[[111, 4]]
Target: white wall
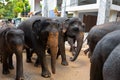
[[37, 5], [52, 4], [32, 4]]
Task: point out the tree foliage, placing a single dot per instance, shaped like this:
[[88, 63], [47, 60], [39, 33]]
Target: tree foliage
[[13, 7]]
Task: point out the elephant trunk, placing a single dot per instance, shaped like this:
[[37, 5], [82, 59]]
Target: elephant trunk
[[19, 62], [79, 39], [53, 45]]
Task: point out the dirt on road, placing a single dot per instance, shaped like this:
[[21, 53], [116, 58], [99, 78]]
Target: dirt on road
[[77, 70]]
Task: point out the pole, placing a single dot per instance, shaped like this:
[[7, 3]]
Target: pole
[[45, 8], [63, 9], [104, 11]]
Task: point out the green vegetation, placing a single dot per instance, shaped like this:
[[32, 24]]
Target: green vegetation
[[11, 8]]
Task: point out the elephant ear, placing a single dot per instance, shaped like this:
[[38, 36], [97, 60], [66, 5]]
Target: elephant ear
[[36, 26], [5, 35]]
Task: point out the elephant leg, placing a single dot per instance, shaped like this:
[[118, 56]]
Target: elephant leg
[[5, 64], [10, 61], [91, 48], [61, 50], [96, 70], [42, 57], [37, 62], [28, 55], [71, 41], [19, 66], [63, 55]]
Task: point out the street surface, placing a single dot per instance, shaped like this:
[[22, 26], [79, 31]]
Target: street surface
[[78, 70]]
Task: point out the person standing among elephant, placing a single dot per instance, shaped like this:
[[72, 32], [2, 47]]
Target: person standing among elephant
[[40, 33], [101, 52], [12, 41]]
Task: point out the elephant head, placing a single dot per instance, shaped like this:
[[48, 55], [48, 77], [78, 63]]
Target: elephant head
[[13, 43], [63, 23], [15, 40], [76, 31], [48, 31]]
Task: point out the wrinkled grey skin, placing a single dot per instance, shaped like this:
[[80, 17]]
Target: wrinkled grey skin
[[41, 33], [101, 52], [111, 68], [99, 31], [12, 41]]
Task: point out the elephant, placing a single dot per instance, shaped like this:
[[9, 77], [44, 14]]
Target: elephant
[[97, 33], [75, 32], [41, 33], [111, 66], [71, 28], [12, 41], [101, 52]]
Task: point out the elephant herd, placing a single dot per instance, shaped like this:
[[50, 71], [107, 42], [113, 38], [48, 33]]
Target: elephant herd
[[38, 34]]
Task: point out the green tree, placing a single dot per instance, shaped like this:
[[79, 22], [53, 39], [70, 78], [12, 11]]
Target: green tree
[[13, 7]]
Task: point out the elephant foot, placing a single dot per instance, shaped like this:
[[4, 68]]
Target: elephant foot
[[28, 61], [65, 63], [46, 74], [11, 67], [21, 78], [5, 72]]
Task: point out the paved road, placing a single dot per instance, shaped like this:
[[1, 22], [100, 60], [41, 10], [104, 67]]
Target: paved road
[[78, 70]]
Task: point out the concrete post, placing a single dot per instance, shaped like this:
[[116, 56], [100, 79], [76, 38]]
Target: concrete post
[[63, 7], [32, 3], [45, 8], [104, 11]]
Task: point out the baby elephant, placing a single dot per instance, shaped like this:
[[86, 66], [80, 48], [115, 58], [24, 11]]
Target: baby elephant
[[111, 68], [102, 50], [12, 41]]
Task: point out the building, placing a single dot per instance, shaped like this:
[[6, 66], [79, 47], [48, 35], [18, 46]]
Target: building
[[35, 6], [92, 12]]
